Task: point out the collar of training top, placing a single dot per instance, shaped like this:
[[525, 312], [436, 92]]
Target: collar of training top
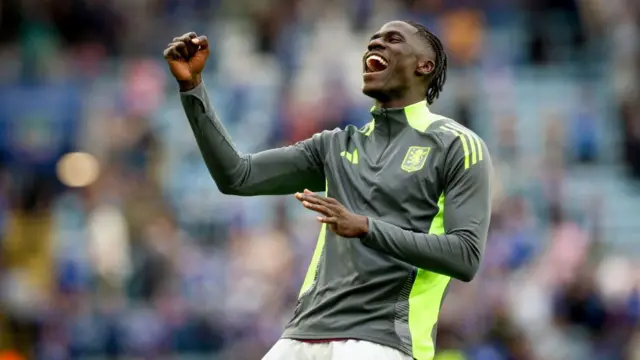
[[415, 115]]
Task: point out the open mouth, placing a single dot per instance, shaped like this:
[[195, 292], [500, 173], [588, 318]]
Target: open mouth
[[375, 64]]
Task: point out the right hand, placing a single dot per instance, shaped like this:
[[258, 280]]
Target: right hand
[[186, 56]]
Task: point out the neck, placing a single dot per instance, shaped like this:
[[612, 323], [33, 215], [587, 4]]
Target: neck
[[400, 102], [394, 120]]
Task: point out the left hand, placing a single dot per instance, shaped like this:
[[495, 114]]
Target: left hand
[[187, 56], [339, 220]]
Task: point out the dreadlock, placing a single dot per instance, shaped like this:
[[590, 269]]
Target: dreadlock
[[440, 72]]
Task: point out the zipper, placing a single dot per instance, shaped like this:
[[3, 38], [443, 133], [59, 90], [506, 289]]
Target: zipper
[[386, 146]]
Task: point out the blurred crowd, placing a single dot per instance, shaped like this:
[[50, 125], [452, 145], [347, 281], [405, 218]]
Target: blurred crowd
[[115, 242]]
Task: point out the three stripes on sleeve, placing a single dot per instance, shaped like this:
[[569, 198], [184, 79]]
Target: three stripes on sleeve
[[471, 143]]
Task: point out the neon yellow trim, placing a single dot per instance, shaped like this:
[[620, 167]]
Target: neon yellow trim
[[425, 299], [464, 145], [473, 138], [450, 355], [351, 157], [474, 156], [310, 278], [419, 117], [437, 224], [415, 158], [372, 125], [465, 133]]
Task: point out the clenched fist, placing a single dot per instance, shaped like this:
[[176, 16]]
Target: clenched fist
[[186, 56]]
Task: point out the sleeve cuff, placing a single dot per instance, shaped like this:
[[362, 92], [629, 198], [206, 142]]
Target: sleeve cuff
[[369, 235], [200, 93], [198, 90]]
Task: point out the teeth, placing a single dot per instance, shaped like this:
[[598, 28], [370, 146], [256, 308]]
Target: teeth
[[377, 58]]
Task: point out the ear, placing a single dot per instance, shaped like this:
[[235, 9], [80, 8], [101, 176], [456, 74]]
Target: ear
[[425, 67]]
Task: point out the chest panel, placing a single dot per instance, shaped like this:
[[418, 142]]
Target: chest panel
[[396, 180]]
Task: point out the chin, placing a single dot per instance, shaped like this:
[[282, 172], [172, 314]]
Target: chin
[[375, 92]]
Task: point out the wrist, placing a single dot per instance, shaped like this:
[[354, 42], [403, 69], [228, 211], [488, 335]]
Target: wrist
[[187, 85], [364, 226]]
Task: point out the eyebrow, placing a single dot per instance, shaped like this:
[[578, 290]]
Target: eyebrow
[[387, 33]]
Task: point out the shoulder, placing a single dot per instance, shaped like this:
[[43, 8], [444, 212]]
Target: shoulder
[[365, 129], [449, 130], [463, 146], [453, 134], [348, 131], [326, 135]]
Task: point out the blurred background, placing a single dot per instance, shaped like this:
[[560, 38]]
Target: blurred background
[[115, 242]]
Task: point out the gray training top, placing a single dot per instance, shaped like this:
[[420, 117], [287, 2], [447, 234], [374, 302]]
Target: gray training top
[[424, 183]]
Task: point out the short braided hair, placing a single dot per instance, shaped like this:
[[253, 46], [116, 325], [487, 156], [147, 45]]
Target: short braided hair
[[440, 72]]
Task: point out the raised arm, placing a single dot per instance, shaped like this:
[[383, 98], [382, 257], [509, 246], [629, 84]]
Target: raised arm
[[455, 243], [272, 172]]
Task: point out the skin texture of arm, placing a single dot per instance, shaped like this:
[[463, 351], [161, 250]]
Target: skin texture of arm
[[467, 209], [278, 171]]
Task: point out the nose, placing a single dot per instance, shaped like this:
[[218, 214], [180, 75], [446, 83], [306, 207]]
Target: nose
[[376, 44]]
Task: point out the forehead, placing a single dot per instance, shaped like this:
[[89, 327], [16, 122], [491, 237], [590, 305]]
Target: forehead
[[399, 27]]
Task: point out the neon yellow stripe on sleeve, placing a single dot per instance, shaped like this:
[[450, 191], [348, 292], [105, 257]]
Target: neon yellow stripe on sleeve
[[465, 147], [473, 138]]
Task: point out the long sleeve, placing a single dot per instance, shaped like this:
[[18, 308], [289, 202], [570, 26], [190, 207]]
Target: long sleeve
[[457, 249], [273, 172]]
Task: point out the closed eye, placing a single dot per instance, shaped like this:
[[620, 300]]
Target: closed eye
[[391, 36]]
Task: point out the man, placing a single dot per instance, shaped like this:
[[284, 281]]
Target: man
[[407, 206]]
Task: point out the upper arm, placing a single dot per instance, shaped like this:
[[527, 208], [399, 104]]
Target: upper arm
[[287, 169], [273, 172], [467, 175], [315, 148]]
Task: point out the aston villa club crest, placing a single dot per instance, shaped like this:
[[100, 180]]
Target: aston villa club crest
[[416, 158]]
